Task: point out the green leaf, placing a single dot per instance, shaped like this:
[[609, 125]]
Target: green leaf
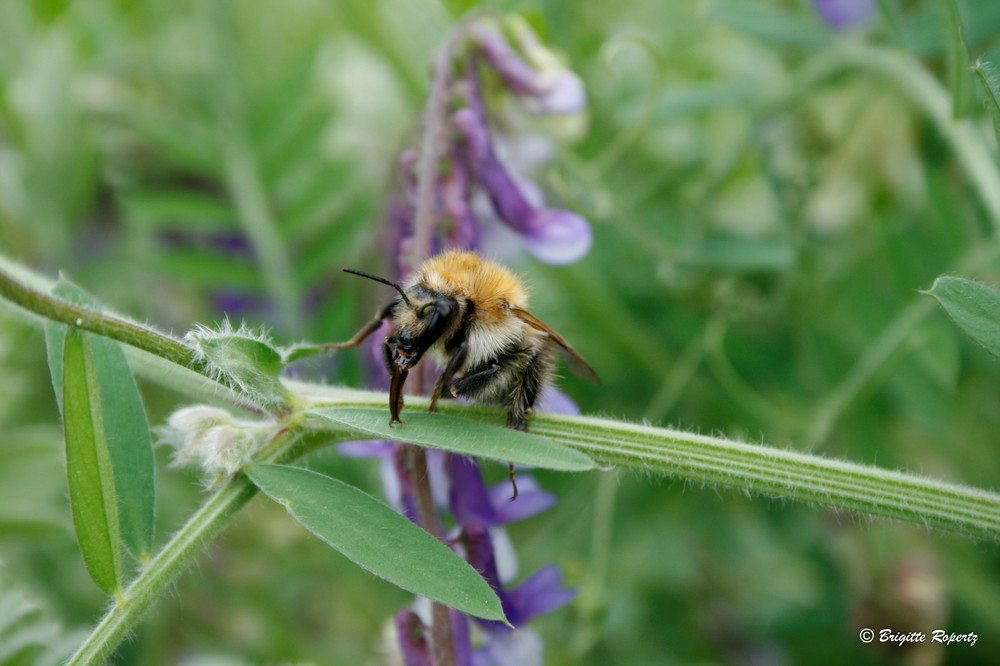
[[124, 424], [973, 306], [129, 444], [459, 436], [245, 360], [958, 60], [378, 539], [88, 466], [984, 72]]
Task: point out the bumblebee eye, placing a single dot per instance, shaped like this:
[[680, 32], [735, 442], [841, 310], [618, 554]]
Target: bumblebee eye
[[426, 310]]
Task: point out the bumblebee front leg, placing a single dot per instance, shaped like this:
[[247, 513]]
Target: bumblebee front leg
[[397, 377], [384, 313], [455, 364]]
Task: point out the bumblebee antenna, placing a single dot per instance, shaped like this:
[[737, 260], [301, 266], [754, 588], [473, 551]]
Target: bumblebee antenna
[[382, 280]]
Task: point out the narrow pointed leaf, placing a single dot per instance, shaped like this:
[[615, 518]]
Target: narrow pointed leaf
[[973, 306], [129, 444], [88, 465], [459, 436], [125, 426], [991, 90], [377, 538], [958, 60]]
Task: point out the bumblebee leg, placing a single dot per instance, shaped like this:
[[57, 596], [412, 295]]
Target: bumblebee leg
[[522, 399], [368, 329], [387, 357], [473, 383], [513, 484], [454, 365], [397, 377], [522, 395], [517, 421]]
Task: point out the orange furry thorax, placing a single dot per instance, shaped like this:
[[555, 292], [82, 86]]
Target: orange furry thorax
[[489, 285]]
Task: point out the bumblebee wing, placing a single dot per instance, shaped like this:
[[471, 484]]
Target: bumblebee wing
[[574, 361]]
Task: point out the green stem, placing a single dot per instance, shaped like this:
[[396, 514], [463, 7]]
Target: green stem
[[167, 353], [121, 330], [780, 473], [169, 563], [750, 468], [747, 467]]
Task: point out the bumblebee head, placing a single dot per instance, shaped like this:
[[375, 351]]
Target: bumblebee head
[[422, 319], [422, 316]]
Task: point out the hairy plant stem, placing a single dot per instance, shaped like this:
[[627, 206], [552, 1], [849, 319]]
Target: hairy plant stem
[[749, 468], [144, 338], [130, 333], [162, 570]]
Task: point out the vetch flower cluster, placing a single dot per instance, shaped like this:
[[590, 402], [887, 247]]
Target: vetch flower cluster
[[483, 203], [527, 77]]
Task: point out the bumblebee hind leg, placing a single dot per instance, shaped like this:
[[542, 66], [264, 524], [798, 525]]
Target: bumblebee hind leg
[[517, 422], [522, 394]]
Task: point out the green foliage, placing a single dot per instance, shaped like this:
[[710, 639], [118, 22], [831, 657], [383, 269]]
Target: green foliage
[[91, 475], [769, 196], [991, 90], [974, 307], [377, 538], [244, 360], [459, 436], [122, 422]]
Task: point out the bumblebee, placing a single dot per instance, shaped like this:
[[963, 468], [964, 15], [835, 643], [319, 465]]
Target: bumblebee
[[471, 315]]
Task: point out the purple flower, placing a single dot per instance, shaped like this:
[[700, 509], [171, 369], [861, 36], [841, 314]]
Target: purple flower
[[553, 90], [523, 647], [555, 401], [471, 501], [551, 235], [413, 641], [844, 14], [468, 173], [539, 593]]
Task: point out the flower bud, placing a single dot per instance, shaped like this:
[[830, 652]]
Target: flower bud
[[211, 438]]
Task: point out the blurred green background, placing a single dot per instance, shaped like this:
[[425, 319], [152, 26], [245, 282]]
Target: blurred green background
[[762, 229]]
